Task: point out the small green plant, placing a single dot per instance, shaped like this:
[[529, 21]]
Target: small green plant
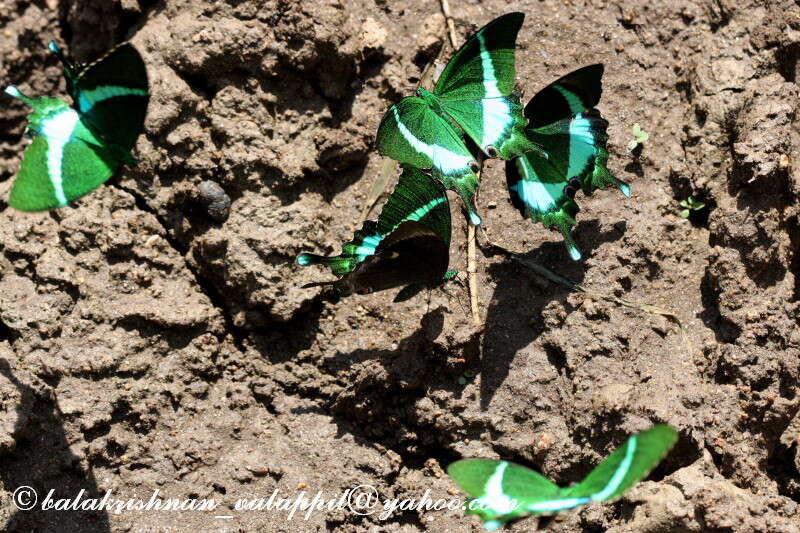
[[639, 137], [689, 205]]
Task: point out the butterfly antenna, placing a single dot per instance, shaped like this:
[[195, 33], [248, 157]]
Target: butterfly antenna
[[11, 90]]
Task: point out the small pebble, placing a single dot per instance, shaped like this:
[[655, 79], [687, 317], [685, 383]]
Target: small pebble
[[217, 202]]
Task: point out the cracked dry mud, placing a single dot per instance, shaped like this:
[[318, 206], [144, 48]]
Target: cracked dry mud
[[146, 343]]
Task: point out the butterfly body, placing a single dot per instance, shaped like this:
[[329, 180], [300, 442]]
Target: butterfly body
[[563, 122], [409, 244], [77, 148], [473, 96]]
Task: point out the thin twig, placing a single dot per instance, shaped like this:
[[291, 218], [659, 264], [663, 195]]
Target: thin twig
[[451, 27], [388, 169], [472, 268], [473, 274]]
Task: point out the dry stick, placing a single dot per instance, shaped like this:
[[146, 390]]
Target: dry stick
[[472, 269], [389, 166]]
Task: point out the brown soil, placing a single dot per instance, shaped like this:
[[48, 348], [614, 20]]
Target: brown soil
[[147, 342]]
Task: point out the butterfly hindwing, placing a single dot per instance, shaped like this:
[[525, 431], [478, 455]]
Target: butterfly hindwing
[[574, 93], [417, 197], [413, 253], [539, 191], [409, 244]]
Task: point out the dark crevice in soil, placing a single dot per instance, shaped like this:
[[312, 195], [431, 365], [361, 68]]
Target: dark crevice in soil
[[206, 286], [685, 453], [724, 329], [781, 466], [793, 229], [6, 333], [131, 21], [787, 58], [200, 84]]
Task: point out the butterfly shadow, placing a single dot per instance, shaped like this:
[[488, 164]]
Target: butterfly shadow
[[514, 317], [382, 383], [42, 460]]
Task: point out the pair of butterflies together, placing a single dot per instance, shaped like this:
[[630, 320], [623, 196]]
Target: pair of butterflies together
[[554, 148], [77, 148], [501, 491]]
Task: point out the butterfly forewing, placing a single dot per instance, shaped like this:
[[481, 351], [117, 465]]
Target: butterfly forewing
[[484, 65], [112, 94], [569, 95], [412, 133], [33, 190], [496, 125]]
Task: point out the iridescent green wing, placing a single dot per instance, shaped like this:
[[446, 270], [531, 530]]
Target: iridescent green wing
[[64, 161], [476, 87], [354, 251], [573, 134], [574, 138], [484, 65], [503, 491], [412, 254], [419, 198], [416, 198], [412, 133], [496, 125], [626, 466], [111, 94], [500, 491], [540, 193], [574, 93]]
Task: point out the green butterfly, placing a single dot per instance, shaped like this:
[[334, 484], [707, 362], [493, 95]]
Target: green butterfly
[[500, 491], [573, 134], [76, 149], [473, 95], [408, 245]]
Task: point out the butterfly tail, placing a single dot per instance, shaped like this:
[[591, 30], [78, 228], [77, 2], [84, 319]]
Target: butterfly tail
[[466, 186], [12, 90], [540, 192], [314, 259], [602, 178], [69, 66], [563, 220]]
